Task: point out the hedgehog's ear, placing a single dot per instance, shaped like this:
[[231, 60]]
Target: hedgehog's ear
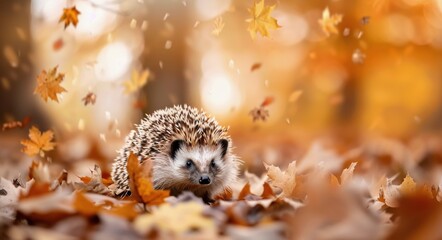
[[175, 146], [224, 145]]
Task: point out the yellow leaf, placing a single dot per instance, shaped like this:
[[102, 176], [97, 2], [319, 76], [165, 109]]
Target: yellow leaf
[[408, 186], [69, 16], [48, 84], [261, 20], [329, 22], [177, 219], [38, 143], [137, 81], [218, 26]]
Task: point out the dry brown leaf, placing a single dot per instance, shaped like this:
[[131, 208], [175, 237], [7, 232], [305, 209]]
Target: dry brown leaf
[[261, 21], [90, 98], [244, 192], [329, 22], [69, 16], [48, 84], [255, 67], [38, 143], [95, 183], [284, 180]]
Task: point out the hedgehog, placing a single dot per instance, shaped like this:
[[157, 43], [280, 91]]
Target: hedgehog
[[189, 151]]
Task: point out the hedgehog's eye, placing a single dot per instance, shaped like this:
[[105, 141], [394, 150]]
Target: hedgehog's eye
[[212, 163], [189, 163]]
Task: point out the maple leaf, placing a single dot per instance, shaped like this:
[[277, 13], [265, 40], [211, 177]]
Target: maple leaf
[[285, 180], [137, 81], [261, 20], [39, 142], [90, 98], [329, 22], [69, 16], [218, 26], [48, 84], [141, 187]]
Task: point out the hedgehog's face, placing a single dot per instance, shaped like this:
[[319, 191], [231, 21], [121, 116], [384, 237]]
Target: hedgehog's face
[[199, 165]]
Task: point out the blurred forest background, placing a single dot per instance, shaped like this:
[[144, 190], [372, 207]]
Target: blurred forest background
[[377, 77]]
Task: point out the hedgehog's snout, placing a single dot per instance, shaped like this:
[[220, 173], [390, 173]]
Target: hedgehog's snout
[[204, 180]]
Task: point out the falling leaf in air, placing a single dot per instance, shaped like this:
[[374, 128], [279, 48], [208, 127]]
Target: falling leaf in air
[[137, 81], [261, 21], [58, 44], [70, 16], [90, 98], [142, 187], [365, 20], [16, 124], [261, 112], [267, 101], [358, 56], [38, 142], [329, 22], [218, 26], [255, 67], [48, 84]]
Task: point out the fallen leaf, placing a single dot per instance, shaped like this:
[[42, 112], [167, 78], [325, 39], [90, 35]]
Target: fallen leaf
[[48, 84], [347, 173], [261, 21], [408, 186], [244, 192], [177, 219], [39, 172], [90, 98], [84, 206], [137, 81], [69, 16], [284, 180], [141, 187], [94, 183], [329, 22], [218, 26], [39, 142]]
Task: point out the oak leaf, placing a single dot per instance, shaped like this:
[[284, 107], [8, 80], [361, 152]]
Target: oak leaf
[[137, 81], [69, 16], [329, 22], [261, 21], [39, 142], [284, 180], [48, 84]]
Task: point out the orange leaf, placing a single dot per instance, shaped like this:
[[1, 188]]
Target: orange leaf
[[48, 84], [142, 188], [267, 101], [38, 143], [85, 179], [84, 206], [244, 192], [334, 182], [126, 211], [69, 16], [267, 192], [37, 189]]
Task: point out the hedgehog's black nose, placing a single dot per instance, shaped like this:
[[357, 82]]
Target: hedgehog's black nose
[[204, 179]]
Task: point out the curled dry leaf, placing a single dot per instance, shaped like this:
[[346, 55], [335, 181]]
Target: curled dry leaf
[[90, 98], [95, 183], [141, 187], [261, 21], [69, 16], [48, 84], [38, 143], [329, 22]]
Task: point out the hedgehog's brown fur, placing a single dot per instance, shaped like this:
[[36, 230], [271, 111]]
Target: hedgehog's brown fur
[[152, 140]]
